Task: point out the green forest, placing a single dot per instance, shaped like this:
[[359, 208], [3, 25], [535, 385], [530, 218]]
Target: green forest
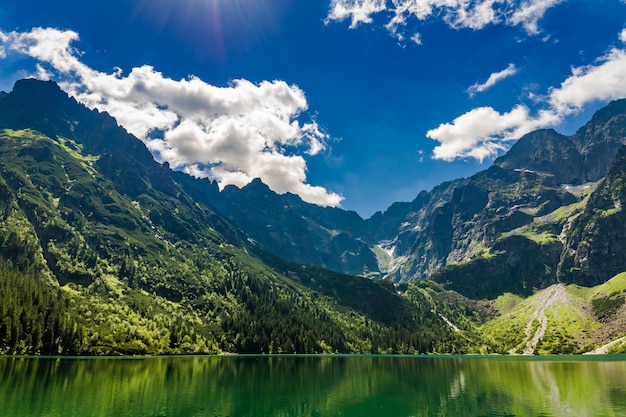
[[104, 251], [99, 271]]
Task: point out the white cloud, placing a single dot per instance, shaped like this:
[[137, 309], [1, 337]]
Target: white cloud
[[3, 38], [232, 134], [622, 35], [530, 12], [482, 132], [455, 13], [479, 133], [358, 11], [476, 16], [416, 38], [603, 81], [492, 80]]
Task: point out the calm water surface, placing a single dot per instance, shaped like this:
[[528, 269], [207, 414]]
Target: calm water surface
[[313, 386]]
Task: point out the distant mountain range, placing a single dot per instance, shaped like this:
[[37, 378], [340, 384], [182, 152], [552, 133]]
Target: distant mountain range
[[105, 251], [522, 224]]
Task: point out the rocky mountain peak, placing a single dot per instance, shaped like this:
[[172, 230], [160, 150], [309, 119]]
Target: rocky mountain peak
[[43, 106], [548, 152]]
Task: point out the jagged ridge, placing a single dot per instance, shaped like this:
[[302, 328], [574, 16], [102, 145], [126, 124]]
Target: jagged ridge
[[144, 267]]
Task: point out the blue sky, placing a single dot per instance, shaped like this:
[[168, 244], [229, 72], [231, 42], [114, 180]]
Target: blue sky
[[357, 103]]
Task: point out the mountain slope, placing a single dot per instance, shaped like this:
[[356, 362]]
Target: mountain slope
[[595, 245], [298, 231], [141, 266], [517, 226], [559, 319]]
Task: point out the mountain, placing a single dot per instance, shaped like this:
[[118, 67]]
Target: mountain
[[500, 230], [510, 219], [548, 152], [105, 251], [509, 228], [547, 213], [577, 159], [298, 231]]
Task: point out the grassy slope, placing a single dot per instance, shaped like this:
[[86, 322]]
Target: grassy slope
[[579, 321]]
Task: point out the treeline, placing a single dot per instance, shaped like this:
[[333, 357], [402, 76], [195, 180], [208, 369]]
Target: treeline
[[34, 317]]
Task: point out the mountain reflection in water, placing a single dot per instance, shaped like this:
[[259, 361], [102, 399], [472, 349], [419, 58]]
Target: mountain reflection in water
[[313, 386]]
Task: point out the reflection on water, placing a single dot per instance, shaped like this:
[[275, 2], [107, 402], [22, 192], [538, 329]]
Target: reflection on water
[[313, 386]]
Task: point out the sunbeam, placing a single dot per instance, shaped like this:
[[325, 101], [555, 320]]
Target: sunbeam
[[214, 27]]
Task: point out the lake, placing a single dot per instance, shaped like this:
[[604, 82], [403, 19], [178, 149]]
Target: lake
[[220, 386]]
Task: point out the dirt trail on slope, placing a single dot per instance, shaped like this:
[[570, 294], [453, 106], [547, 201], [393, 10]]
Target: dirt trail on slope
[[602, 350], [551, 295]]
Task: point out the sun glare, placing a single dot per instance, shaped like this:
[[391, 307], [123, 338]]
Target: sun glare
[[218, 24]]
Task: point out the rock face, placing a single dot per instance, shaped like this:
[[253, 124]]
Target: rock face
[[519, 265], [547, 152], [595, 248], [299, 231], [577, 159], [464, 219], [599, 140]]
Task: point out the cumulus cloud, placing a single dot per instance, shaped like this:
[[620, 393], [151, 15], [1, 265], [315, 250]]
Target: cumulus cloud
[[492, 80], [455, 13], [482, 132], [232, 134]]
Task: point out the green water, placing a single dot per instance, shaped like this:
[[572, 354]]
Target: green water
[[313, 386]]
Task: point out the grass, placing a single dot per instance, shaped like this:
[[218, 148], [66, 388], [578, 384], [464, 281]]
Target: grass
[[570, 327], [75, 150], [604, 307], [560, 215], [570, 324], [507, 332], [478, 249], [542, 238], [607, 213], [382, 257], [615, 285], [22, 134], [619, 348], [506, 302], [565, 212], [571, 319]]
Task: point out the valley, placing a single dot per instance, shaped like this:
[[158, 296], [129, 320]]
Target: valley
[[105, 251]]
